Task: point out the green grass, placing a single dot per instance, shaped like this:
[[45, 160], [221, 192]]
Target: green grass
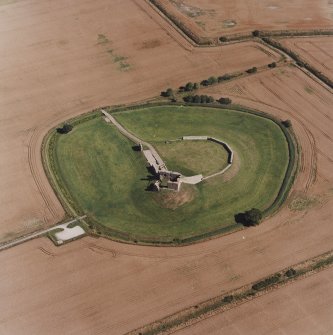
[[193, 157], [107, 179]]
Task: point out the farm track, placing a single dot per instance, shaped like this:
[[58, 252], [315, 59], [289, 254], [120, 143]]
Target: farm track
[[35, 172], [311, 165]]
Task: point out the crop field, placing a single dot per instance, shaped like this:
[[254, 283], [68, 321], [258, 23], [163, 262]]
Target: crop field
[[214, 18], [108, 180], [317, 51], [288, 311], [60, 59]]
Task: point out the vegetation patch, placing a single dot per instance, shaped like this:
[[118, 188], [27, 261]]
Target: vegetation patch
[[193, 157], [303, 202]]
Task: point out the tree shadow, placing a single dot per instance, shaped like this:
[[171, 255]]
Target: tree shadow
[[136, 148]]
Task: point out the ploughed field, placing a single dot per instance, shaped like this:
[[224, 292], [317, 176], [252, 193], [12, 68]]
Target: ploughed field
[[317, 51], [107, 179]]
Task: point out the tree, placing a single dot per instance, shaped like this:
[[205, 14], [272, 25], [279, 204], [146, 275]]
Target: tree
[[253, 216], [189, 87], [212, 80], [249, 218], [195, 86], [188, 98], [204, 82], [223, 39], [169, 92], [197, 99], [252, 70], [272, 65], [210, 99], [66, 128], [225, 101], [224, 77], [203, 99]]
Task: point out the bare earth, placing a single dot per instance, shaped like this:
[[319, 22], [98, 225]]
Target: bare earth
[[304, 307], [53, 66], [214, 17], [60, 59], [317, 51]]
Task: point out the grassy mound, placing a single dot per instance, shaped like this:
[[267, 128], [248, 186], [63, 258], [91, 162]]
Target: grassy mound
[[107, 180]]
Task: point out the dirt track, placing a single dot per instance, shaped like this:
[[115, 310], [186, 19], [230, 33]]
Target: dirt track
[[52, 68]]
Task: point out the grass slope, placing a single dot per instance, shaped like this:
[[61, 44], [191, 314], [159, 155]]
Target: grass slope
[[106, 178]]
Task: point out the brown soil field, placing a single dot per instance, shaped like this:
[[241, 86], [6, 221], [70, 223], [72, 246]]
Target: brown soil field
[[99, 286], [303, 307], [213, 18], [62, 59], [317, 51]]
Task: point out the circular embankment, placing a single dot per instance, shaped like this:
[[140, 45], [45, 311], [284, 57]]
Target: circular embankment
[[96, 172]]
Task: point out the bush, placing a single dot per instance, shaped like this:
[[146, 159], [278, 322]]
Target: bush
[[286, 123], [272, 65], [196, 86], [66, 128], [224, 101], [210, 81], [223, 39], [290, 272], [224, 77], [266, 282], [256, 33], [228, 298], [252, 70]]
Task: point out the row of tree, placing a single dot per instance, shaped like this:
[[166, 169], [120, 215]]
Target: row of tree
[[206, 99], [199, 99]]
